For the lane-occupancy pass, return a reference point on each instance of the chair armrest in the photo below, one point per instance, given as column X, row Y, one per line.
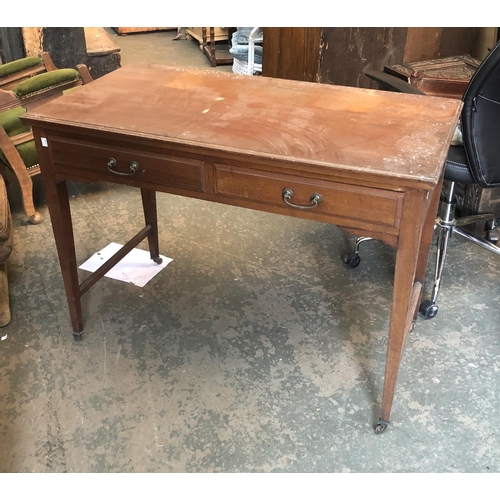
column 8, row 100
column 393, row 83
column 46, row 86
column 84, row 73
column 20, row 65
column 47, row 61
column 13, row 157
column 44, row 82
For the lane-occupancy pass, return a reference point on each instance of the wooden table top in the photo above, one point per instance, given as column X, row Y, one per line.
column 378, row 132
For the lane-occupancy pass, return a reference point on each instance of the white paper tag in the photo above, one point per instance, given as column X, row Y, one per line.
column 135, row 268
column 45, row 143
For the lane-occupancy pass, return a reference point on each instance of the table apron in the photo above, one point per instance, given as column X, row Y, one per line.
column 240, row 181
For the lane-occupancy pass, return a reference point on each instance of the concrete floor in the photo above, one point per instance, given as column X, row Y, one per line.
column 255, row 350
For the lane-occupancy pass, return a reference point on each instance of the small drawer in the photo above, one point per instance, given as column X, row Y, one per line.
column 127, row 165
column 344, row 201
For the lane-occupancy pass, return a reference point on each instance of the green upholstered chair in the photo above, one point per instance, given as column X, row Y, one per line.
column 17, row 147
column 13, row 72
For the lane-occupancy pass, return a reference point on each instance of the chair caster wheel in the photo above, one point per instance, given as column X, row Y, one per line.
column 381, row 426
column 428, row 309
column 492, row 234
column 77, row 336
column 159, row 260
column 36, row 218
column 352, row 260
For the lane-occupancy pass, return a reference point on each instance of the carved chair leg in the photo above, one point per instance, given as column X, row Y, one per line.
column 19, row 168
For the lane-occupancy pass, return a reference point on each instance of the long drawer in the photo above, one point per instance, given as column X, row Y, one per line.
column 127, row 164
column 345, row 201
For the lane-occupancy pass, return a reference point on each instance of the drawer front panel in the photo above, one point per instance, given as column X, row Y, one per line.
column 341, row 200
column 153, row 168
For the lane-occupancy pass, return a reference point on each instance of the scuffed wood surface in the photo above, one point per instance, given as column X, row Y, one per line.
column 343, row 127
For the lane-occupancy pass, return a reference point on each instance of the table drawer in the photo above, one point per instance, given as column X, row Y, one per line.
column 335, row 199
column 127, row 165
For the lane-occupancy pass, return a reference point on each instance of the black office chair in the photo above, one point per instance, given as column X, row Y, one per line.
column 477, row 161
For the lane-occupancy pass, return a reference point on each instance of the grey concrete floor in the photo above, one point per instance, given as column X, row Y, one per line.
column 255, row 350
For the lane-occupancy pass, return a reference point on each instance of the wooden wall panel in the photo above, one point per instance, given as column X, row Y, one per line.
column 423, row 44
column 347, row 52
column 458, row 41
column 291, row 53
column 340, row 55
column 486, row 39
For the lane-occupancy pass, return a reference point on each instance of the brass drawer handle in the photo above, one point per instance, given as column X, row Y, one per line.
column 316, row 199
column 134, row 167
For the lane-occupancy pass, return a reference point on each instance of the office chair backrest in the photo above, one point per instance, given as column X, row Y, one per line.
column 481, row 121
